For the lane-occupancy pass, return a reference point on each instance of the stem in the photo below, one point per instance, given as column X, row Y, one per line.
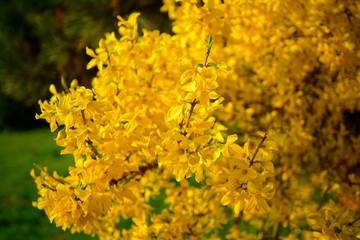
column 277, row 230
column 46, row 184
column 92, row 147
column 150, row 82
column 199, row 148
column 206, row 57
column 258, row 148
column 209, row 43
column 193, row 104
column 354, row 221
column 88, row 141
column 186, row 124
column 83, row 116
column 129, row 175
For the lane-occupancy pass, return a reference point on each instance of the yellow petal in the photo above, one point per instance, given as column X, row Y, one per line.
column 185, row 63
column 251, row 205
column 186, row 76
column 231, row 138
column 91, row 64
column 202, row 139
column 262, row 205
column 52, row 89
column 133, row 18
column 32, row 173
column 83, row 195
column 237, row 208
column 190, row 87
column 199, row 175
column 129, row 195
column 90, row 52
column 226, row 199
column 174, row 113
column 236, row 151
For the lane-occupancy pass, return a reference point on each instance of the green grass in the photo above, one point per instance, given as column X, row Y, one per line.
column 18, row 152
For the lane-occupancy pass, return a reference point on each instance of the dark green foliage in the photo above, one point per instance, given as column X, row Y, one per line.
column 42, row 41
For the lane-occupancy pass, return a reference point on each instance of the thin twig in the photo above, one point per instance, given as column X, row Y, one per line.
column 277, row 230
column 258, row 148
column 88, row 141
column 354, row 221
column 193, row 104
column 130, row 175
column 206, row 57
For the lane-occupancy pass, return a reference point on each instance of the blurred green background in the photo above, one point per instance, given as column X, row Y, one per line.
column 40, row 42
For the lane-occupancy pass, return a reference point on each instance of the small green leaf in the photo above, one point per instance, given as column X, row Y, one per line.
column 209, row 43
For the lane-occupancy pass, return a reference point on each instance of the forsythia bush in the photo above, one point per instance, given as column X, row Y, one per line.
column 251, row 134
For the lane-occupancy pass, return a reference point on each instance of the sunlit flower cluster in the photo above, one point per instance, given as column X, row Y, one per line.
column 250, row 106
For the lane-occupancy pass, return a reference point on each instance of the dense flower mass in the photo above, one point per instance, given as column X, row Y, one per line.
column 260, row 119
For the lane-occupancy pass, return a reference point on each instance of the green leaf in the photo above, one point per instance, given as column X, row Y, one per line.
column 209, row 43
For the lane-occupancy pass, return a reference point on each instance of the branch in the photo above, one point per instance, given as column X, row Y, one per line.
column 88, row 141
column 209, row 43
column 258, row 148
column 193, row 104
column 129, row 175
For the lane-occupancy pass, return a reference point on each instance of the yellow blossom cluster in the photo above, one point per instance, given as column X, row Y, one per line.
column 260, row 119
column 149, row 120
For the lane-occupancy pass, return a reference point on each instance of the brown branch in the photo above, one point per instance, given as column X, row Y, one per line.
column 199, row 147
column 129, row 175
column 354, row 221
column 206, row 57
column 186, row 124
column 252, row 161
column 193, row 104
column 45, row 184
column 88, row 141
column 92, row 147
column 276, row 230
column 83, row 116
